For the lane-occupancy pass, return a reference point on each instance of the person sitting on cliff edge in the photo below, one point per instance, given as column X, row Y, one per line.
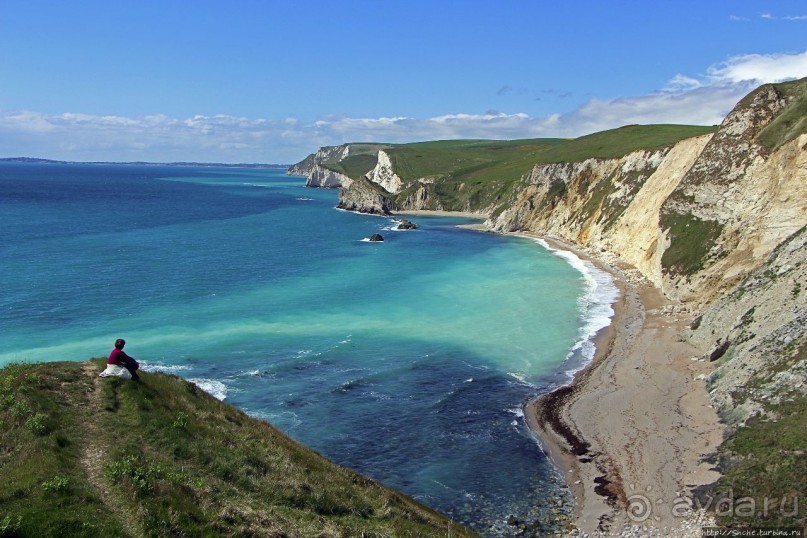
column 120, row 364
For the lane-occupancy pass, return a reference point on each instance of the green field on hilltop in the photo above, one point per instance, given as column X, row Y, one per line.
column 84, row 456
column 469, row 159
column 463, row 160
column 481, row 161
column 619, row 142
column 480, row 174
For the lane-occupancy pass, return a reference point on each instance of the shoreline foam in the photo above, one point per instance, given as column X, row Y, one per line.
column 596, row 305
column 634, row 424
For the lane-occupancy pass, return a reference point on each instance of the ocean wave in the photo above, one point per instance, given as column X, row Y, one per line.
column 595, row 305
column 522, row 379
column 163, row 368
column 519, row 416
column 215, row 388
column 251, row 373
column 288, row 419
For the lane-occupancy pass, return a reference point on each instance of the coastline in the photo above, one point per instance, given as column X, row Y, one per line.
column 441, row 213
column 630, row 432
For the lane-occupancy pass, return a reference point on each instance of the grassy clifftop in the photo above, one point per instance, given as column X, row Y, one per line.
column 84, row 456
column 481, row 174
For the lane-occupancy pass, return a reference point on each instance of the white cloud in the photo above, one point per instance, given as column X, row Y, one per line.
column 760, row 68
column 771, row 17
column 76, row 136
column 686, row 98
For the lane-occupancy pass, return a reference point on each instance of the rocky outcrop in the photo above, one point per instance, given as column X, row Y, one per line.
column 319, row 176
column 384, row 175
column 331, row 166
column 324, row 155
column 404, row 224
column 363, row 196
column 737, row 202
column 761, row 329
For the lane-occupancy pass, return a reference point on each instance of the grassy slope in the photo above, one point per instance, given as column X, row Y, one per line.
column 84, row 456
column 497, row 164
column 792, row 121
column 480, row 173
column 361, row 159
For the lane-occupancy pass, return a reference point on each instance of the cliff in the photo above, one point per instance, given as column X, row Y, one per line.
column 84, row 456
column 319, row 176
column 330, row 166
column 714, row 217
column 364, row 196
column 757, row 334
column 694, row 218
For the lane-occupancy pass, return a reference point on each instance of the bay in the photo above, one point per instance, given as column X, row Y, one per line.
column 407, row 360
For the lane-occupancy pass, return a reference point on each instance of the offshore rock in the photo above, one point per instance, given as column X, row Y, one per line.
column 404, row 224
column 376, row 238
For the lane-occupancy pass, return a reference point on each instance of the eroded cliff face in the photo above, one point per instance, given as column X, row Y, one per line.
column 737, row 202
column 606, row 204
column 332, row 166
column 694, row 219
column 363, row 196
column 384, row 175
column 757, row 334
column 319, row 176
column 325, row 154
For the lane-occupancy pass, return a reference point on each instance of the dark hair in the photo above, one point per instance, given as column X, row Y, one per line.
column 119, row 343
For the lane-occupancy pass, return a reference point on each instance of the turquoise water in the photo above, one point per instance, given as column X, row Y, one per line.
column 407, row 360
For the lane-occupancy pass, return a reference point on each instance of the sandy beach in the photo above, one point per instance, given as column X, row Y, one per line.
column 630, row 432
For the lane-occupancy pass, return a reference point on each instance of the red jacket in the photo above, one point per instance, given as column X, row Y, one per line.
column 119, row 358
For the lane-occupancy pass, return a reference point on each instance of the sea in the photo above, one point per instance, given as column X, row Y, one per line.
column 408, row 360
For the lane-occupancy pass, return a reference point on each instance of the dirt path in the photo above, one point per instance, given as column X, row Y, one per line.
column 93, row 457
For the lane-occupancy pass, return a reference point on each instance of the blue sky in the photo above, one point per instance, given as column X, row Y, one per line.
column 271, row 81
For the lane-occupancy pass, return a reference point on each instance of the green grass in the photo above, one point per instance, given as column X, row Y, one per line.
column 619, row 142
column 792, row 121
column 764, row 480
column 476, row 174
column 691, row 239
column 174, row 461
column 43, row 489
column 468, row 160
column 355, row 166
column 770, row 469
